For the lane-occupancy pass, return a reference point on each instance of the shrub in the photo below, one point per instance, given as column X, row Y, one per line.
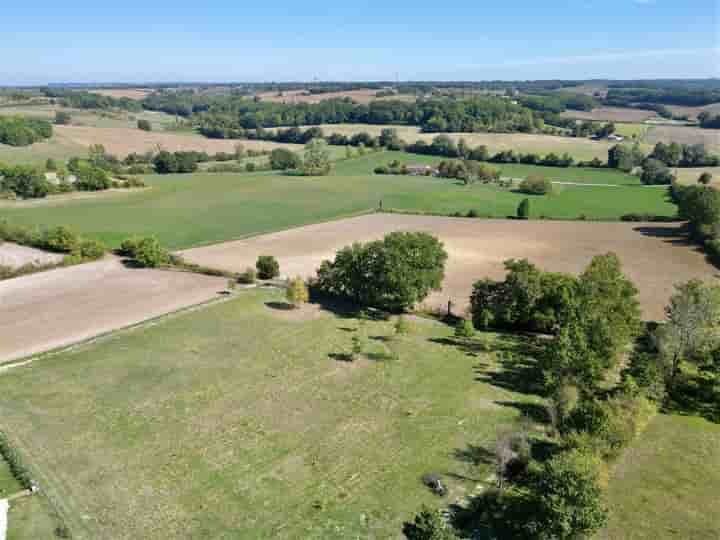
column 145, row 125
column 283, row 159
column 472, row 213
column 26, row 182
column 570, row 501
column 705, row 178
column 248, row 277
column 249, row 166
column 62, row 118
column 267, row 267
column 402, row 326
column 89, row 249
column 129, row 246
column 523, row 210
column 464, row 329
column 297, row 292
column 536, row 185
column 427, row 525
column 150, row 254
column 60, row 239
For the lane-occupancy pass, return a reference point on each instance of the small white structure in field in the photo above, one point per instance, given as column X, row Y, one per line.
column 4, row 505
column 53, row 178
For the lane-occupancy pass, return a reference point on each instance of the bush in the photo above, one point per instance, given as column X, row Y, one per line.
column 145, row 125
column 63, row 118
column 248, row 277
column 267, row 267
column 523, row 210
column 536, row 185
column 464, row 329
column 60, row 239
column 15, row 462
column 128, row 247
column 148, row 253
column 428, row 525
column 297, row 292
column 655, row 172
column 250, row 166
column 282, row 159
column 89, row 249
column 26, row 182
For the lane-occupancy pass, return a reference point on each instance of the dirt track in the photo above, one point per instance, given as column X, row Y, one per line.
column 15, row 256
column 653, row 257
column 52, row 309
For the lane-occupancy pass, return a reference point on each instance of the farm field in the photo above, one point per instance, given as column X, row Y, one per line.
column 301, row 96
column 633, row 131
column 580, row 149
column 204, row 424
column 190, row 210
column 131, row 93
column 60, row 307
column 611, row 114
column 691, row 175
column 651, row 256
column 686, row 135
column 665, row 485
column 693, row 112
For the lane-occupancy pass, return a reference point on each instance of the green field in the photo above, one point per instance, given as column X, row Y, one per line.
column 240, row 421
column 666, row 484
column 28, row 518
column 189, row 210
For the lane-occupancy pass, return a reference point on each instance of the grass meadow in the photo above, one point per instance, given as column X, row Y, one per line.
column 195, row 209
column 242, row 420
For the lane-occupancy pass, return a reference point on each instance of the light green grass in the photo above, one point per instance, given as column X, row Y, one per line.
column 28, row 518
column 189, row 210
column 237, row 421
column 667, row 484
column 630, row 130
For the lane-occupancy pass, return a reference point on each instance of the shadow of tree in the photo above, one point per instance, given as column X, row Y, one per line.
column 474, row 455
column 280, row 306
column 536, row 412
column 694, row 395
column 341, row 357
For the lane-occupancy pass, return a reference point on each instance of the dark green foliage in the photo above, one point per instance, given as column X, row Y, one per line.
column 393, row 274
column 267, row 267
column 177, row 162
column 655, row 172
column 624, row 157
column 427, row 525
column 17, row 466
column 145, row 125
column 26, row 182
column 523, row 211
column 81, row 99
column 91, row 178
column 61, row 239
column 63, row 118
column 464, row 329
column 283, row 159
column 89, row 249
column 316, row 160
column 20, row 131
column 705, row 178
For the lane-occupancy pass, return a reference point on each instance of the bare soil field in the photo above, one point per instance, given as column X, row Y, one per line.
column 44, row 311
column 301, row 96
column 123, row 141
column 15, row 256
column 583, row 149
column 654, row 257
column 685, row 135
column 611, row 114
column 690, row 175
column 131, row 93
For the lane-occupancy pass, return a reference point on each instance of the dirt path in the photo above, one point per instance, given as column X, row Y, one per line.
column 15, row 256
column 654, row 257
column 61, row 307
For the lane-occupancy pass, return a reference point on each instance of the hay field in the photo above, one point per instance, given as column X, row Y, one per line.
column 652, row 255
column 685, row 135
column 693, row 112
column 611, row 114
column 131, row 93
column 300, row 96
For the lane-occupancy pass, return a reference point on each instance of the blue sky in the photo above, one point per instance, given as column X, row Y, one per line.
column 224, row 40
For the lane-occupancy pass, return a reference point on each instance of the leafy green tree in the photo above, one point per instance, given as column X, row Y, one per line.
column 60, row 239
column 394, row 273
column 571, row 501
column 655, row 172
column 50, row 165
column 428, row 525
column 693, row 317
column 464, row 329
column 283, row 159
column 705, row 178
column 536, row 185
column 523, row 210
column 624, row 157
column 25, row 181
column 149, row 253
column 267, row 267
column 317, row 158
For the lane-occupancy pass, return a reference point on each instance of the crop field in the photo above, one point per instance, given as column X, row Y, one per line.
column 686, row 135
column 693, row 112
column 301, row 96
column 579, row 148
column 190, row 210
column 60, row 307
column 691, row 175
column 204, row 424
column 611, row 114
column 633, row 131
column 651, row 255
column 131, row 93
column 665, row 485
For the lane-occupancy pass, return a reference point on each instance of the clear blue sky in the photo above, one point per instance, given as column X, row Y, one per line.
column 233, row 40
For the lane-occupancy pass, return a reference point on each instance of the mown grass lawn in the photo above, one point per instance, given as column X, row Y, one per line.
column 189, row 210
column 667, row 483
column 241, row 421
column 28, row 518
